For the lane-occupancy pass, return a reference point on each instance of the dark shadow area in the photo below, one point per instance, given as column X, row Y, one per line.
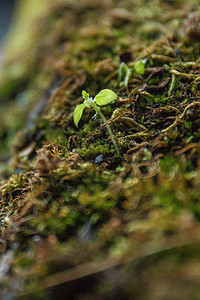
column 6, row 11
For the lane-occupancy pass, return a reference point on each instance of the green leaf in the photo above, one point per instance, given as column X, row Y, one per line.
column 85, row 94
column 78, row 113
column 140, row 66
column 124, row 74
column 105, row 96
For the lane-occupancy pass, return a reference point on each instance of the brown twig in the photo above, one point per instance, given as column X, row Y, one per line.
column 179, row 118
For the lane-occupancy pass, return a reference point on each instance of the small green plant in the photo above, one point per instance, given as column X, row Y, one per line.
column 125, row 72
column 102, row 98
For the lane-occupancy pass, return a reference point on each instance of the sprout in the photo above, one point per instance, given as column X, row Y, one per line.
column 104, row 97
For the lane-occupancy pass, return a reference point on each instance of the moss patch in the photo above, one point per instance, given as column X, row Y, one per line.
column 78, row 220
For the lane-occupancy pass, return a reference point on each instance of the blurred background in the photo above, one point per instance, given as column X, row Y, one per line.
column 6, row 12
column 18, row 53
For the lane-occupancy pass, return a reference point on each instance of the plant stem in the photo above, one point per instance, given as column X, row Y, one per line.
column 98, row 111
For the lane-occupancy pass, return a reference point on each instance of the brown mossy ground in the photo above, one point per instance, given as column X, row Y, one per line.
column 77, row 221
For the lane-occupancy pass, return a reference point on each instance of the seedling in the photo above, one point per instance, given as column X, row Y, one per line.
column 125, row 72
column 102, row 98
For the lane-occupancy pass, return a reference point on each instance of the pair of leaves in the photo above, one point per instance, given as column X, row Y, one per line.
column 125, row 71
column 102, row 98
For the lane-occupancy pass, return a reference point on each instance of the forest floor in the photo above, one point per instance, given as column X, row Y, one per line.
column 79, row 221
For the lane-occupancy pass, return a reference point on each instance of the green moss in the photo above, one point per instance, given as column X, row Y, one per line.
column 93, row 150
column 137, row 215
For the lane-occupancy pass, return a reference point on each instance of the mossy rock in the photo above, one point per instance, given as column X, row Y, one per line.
column 78, row 220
